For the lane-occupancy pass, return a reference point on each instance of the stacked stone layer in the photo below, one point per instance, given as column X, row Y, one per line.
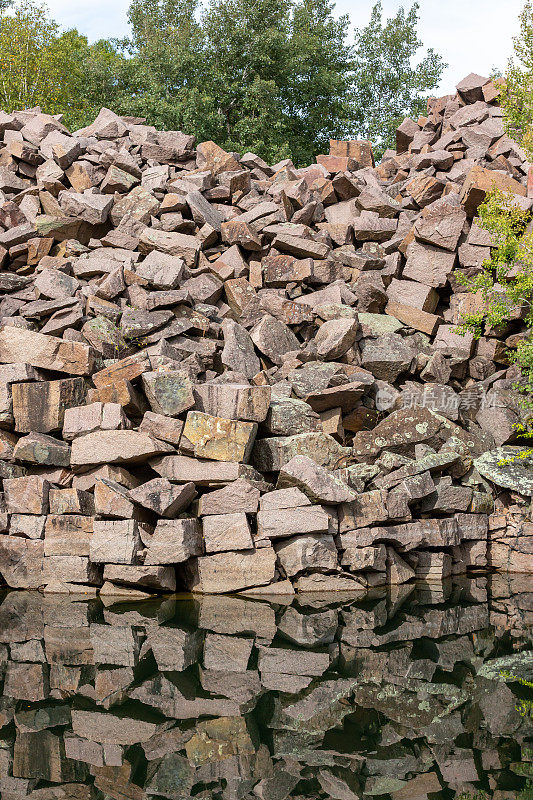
column 219, row 375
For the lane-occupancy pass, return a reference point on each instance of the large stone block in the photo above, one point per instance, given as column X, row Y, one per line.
column 67, row 535
column 173, row 541
column 48, row 352
column 40, row 405
column 115, row 447
column 115, row 541
column 231, row 572
column 221, row 439
column 233, row 401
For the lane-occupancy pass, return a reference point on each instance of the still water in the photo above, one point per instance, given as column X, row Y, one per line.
column 415, row 693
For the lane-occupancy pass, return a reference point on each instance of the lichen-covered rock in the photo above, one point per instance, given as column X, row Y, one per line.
column 506, row 467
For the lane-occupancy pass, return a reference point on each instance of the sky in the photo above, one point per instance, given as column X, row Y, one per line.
column 471, row 35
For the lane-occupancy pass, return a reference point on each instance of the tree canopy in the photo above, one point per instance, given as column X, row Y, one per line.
column 278, row 77
column 387, row 85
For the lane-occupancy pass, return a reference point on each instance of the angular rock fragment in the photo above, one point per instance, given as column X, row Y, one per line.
column 173, row 542
column 314, row 481
column 223, row 532
column 231, row 572
column 115, row 447
column 221, row 439
column 163, row 497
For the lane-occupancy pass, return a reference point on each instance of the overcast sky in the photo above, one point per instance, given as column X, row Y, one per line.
column 471, row 35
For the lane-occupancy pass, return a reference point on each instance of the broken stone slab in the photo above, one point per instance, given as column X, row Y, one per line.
column 115, row 447
column 68, row 535
column 402, row 429
column 26, row 495
column 169, row 393
column 355, row 559
column 335, row 338
column 387, row 357
column 516, row 475
column 274, row 339
column 70, row 570
column 233, row 401
column 239, row 353
column 112, row 500
column 344, row 397
column 48, row 352
column 217, row 438
column 270, row 454
column 414, row 318
column 368, row 508
column 283, row 498
column 230, row 572
column 292, row 662
column 224, row 532
column 115, row 542
column 428, row 265
column 422, row 533
column 148, row 578
column 314, row 481
column 158, row 426
column 398, row 570
column 288, row 416
column 480, row 181
column 173, row 541
column 163, row 497
column 173, row 244
column 97, row 726
column 41, row 406
column 94, row 416
column 22, row 562
column 37, row 448
column 161, row 271
column 239, row 496
column 316, row 553
column 280, row 523
column 183, row 469
column 29, row 526
column 174, row 649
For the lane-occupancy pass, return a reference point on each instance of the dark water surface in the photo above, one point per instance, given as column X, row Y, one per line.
column 410, row 694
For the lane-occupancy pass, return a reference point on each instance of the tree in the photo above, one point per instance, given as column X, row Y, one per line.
column 271, row 76
column 40, row 65
column 387, row 86
column 316, row 99
column 517, row 93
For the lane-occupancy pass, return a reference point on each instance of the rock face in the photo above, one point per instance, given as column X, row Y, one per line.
column 223, row 376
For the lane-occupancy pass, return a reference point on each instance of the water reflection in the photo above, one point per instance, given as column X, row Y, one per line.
column 396, row 695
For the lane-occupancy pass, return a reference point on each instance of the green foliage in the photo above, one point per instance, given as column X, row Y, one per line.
column 271, row 76
column 524, row 706
column 41, row 65
column 278, row 77
column 505, row 282
column 504, row 288
column 387, row 85
column 517, row 94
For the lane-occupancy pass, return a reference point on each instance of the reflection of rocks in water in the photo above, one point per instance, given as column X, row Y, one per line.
column 393, row 696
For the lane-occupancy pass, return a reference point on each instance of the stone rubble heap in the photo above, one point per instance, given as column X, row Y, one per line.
column 218, row 375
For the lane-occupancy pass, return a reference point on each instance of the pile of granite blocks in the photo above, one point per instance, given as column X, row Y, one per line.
column 219, row 375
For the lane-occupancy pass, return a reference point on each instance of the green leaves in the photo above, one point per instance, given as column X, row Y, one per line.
column 505, row 284
column 388, row 86
column 277, row 77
